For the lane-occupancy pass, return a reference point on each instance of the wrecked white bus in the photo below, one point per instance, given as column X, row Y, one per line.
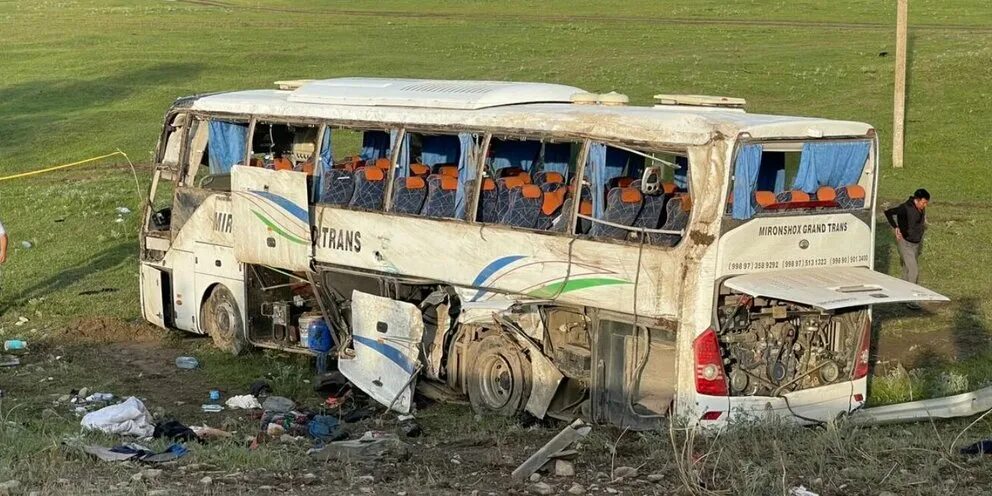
column 530, row 246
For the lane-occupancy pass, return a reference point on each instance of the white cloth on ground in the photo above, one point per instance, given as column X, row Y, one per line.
column 129, row 418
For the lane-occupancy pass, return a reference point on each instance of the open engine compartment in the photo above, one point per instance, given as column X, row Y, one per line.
column 771, row 346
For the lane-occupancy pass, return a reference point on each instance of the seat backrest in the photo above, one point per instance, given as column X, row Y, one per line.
column 678, row 209
column 826, row 193
column 503, row 187
column 337, row 186
column 282, row 163
column 669, row 188
column 652, row 211
column 551, row 207
column 409, row 194
column 381, row 163
column 622, row 207
column 441, row 192
column 851, row 196
column 547, row 178
column 370, row 187
column 524, row 206
column 511, row 171
column 488, row 201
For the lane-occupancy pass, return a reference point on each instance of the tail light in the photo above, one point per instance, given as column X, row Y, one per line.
column 861, row 359
column 710, row 379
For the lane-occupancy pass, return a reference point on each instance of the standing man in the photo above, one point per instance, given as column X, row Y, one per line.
column 909, row 221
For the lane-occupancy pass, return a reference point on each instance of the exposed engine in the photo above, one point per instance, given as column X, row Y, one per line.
column 773, row 347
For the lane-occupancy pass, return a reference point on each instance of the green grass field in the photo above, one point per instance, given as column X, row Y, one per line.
column 84, row 78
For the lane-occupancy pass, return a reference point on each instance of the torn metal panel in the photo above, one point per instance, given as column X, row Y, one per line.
column 386, row 338
column 273, row 217
column 832, row 288
column 960, row 405
column 575, row 431
column 545, row 378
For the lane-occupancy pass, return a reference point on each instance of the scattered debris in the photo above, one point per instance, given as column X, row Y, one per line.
column 26, row 244
column 9, row 361
column 278, row 404
column 187, row 362
column 801, row 491
column 206, row 481
column 371, row 446
column 325, row 428
column 123, row 210
column 175, row 431
column 128, row 418
column 535, row 477
column 207, row 432
column 260, row 389
column 211, row 408
column 411, row 428
column 657, row 477
column 15, row 344
column 983, row 447
column 95, row 397
column 244, row 402
column 564, row 468
column 573, row 432
column 137, row 452
column 624, row 473
column 97, row 291
column 576, row 489
column 542, row 488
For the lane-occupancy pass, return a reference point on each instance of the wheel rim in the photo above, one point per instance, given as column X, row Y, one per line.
column 224, row 319
column 497, row 381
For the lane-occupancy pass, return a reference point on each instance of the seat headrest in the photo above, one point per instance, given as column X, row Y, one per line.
column 414, row 182
column 855, row 191
column 373, row 174
column 488, row 184
column 530, row 191
column 630, row 195
column 764, row 198
column 686, row 203
column 513, row 182
column 419, row 169
column 553, row 177
column 826, row 193
column 799, row 196
column 382, row 163
column 449, row 183
column 448, row 170
column 668, row 188
column 622, row 182
column 282, row 163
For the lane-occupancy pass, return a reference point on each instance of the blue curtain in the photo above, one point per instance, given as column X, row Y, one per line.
column 623, row 163
column 596, row 175
column 515, row 153
column 681, row 174
column 830, row 164
column 466, row 170
column 375, row 145
column 226, row 144
column 443, row 149
column 557, row 157
column 325, row 161
column 771, row 173
column 403, row 161
column 745, row 180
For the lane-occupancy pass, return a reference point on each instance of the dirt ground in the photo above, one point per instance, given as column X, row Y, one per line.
column 457, row 453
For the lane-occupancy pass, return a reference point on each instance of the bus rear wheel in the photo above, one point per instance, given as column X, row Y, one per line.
column 222, row 321
column 500, row 381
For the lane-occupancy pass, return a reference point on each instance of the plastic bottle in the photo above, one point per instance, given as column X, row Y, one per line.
column 187, row 362
column 214, row 395
column 14, row 344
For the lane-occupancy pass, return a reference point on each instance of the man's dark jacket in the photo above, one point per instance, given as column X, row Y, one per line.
column 910, row 221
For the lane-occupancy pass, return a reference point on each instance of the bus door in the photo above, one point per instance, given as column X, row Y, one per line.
column 271, row 218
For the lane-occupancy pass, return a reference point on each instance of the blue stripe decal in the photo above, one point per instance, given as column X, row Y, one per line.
column 390, row 352
column 491, row 269
column 286, row 205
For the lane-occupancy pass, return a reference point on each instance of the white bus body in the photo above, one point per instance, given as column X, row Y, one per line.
column 625, row 313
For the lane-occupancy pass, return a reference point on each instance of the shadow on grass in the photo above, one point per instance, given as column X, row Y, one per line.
column 31, row 99
column 109, row 259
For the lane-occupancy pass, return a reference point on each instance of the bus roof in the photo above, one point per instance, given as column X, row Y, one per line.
column 505, row 107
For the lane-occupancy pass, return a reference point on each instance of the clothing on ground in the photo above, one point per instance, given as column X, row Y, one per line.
column 910, row 221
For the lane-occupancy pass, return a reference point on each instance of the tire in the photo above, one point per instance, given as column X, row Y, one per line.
column 221, row 320
column 500, row 382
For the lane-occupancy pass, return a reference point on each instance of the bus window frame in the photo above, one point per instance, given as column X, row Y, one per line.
column 647, row 150
column 793, row 144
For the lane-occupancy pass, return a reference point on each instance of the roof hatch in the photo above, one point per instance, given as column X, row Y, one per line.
column 426, row 93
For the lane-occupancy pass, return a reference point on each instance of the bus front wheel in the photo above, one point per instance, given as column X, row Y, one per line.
column 500, row 381
column 222, row 321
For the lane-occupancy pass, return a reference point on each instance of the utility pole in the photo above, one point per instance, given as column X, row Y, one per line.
column 899, row 103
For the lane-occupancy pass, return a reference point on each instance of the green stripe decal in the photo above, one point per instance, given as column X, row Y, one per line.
column 278, row 230
column 563, row 287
